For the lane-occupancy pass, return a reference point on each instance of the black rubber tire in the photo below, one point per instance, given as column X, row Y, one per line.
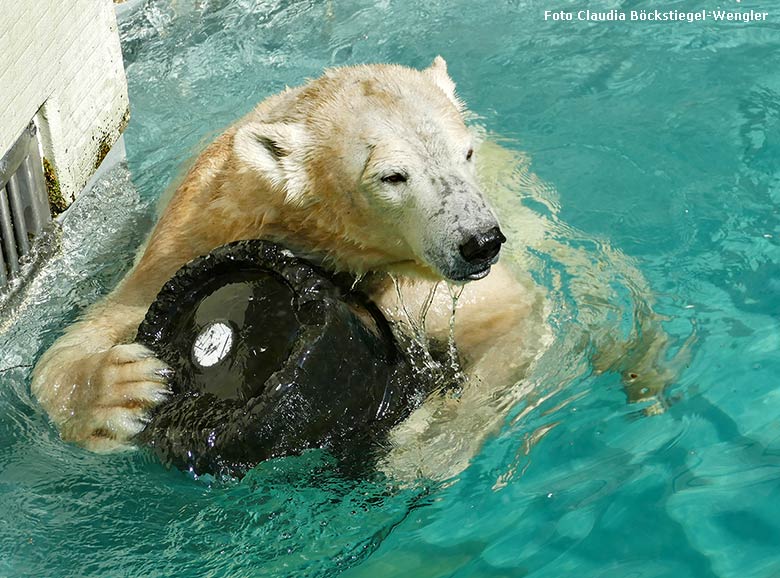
column 335, row 378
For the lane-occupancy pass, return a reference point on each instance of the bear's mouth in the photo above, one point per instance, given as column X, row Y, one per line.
column 479, row 274
column 476, row 275
column 430, row 270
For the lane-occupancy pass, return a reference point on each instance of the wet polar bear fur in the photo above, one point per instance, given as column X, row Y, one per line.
column 369, row 170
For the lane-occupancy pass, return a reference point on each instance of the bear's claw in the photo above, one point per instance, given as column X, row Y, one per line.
column 126, row 381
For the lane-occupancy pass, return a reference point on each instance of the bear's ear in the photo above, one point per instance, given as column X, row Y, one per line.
column 437, row 72
column 277, row 152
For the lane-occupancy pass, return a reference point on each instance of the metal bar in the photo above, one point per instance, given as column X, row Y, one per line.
column 24, row 203
column 7, row 234
column 17, row 209
column 14, row 157
column 37, row 195
column 3, row 275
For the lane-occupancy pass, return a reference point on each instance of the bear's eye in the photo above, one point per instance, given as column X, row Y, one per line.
column 394, row 178
column 469, row 154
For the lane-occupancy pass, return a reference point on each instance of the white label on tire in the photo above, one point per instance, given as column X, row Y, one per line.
column 213, row 344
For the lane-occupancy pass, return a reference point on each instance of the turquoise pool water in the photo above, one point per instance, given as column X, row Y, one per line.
column 661, row 139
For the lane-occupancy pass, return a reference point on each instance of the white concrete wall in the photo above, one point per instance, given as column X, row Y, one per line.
column 61, row 60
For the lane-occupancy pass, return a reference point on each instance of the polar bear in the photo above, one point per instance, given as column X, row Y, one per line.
column 369, row 170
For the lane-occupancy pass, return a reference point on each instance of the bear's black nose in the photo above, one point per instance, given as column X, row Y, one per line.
column 482, row 246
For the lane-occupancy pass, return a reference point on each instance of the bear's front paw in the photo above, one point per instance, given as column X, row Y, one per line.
column 125, row 382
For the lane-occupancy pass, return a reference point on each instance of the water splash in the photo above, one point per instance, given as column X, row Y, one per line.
column 455, row 368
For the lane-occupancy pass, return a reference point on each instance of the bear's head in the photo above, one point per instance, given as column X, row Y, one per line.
column 372, row 168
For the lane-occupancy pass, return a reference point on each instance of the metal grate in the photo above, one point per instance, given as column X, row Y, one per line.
column 24, row 205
